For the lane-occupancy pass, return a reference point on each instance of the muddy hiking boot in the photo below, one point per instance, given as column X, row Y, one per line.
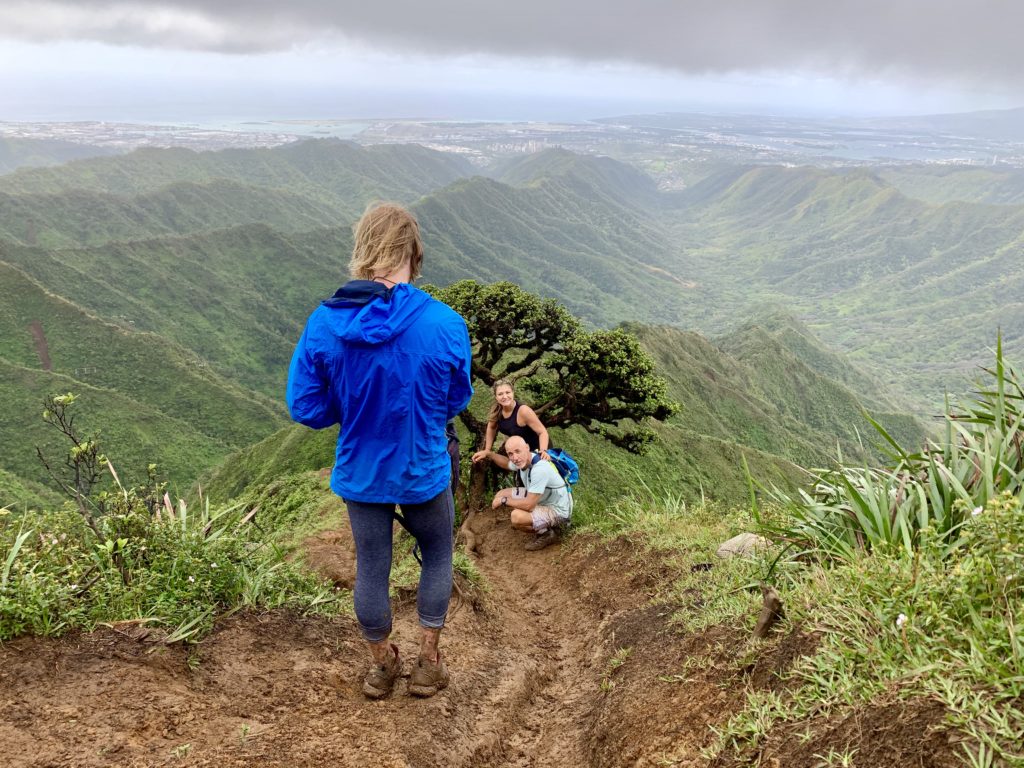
column 380, row 678
column 542, row 540
column 428, row 677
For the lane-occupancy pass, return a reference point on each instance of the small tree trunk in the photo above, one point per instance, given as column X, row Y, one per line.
column 477, row 498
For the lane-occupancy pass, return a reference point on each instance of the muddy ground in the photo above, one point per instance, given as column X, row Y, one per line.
column 533, row 683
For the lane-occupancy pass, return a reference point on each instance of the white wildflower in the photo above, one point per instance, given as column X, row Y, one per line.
column 977, row 511
column 191, row 579
column 901, row 620
column 213, row 565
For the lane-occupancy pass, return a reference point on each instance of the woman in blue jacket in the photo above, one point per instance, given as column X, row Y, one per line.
column 391, row 366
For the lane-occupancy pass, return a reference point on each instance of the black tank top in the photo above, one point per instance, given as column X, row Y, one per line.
column 510, row 426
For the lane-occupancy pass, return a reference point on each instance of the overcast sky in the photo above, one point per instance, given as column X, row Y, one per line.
column 256, row 59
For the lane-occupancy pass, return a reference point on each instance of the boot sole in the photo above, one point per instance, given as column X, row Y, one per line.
column 375, row 693
column 426, row 691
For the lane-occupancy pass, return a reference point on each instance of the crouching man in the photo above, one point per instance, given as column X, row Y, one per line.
column 543, row 506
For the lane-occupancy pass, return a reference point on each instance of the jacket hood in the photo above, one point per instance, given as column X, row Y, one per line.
column 370, row 312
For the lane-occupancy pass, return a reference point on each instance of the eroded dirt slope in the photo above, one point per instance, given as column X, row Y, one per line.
column 532, row 682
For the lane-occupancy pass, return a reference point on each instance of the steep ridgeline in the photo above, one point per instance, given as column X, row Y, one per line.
column 575, row 228
column 88, row 218
column 759, row 388
column 734, row 407
column 154, row 192
column 998, row 185
column 236, row 298
column 901, row 284
column 169, row 287
column 135, row 435
column 330, row 170
column 155, row 400
column 215, row 259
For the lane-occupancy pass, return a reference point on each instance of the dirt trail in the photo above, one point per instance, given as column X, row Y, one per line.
column 284, row 690
column 531, row 680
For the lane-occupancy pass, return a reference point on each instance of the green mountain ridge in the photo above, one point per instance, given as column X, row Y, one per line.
column 44, row 333
column 604, row 262
column 134, row 435
column 996, row 185
column 328, row 170
column 221, row 294
column 898, row 283
column 195, row 258
column 600, row 176
column 74, row 218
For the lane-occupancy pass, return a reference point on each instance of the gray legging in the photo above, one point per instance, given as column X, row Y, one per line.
column 432, row 524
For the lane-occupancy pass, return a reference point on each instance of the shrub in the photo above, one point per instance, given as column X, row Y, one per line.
column 170, row 569
column 853, row 510
column 129, row 554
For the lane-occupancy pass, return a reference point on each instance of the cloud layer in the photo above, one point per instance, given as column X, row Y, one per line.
column 943, row 39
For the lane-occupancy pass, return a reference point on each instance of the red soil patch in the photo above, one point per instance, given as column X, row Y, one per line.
column 42, row 348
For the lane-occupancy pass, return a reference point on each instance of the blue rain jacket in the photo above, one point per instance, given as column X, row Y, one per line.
column 391, row 366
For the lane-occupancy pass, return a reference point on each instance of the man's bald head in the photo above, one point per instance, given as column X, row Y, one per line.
column 515, row 442
column 518, row 451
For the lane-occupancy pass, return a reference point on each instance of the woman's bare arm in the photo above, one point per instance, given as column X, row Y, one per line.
column 531, row 420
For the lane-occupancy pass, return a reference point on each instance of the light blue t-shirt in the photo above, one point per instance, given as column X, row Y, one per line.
column 544, row 479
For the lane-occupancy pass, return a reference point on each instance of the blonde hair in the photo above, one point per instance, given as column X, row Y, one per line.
column 495, row 412
column 387, row 238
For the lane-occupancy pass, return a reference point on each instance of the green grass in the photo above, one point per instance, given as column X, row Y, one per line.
column 921, row 625
column 173, row 568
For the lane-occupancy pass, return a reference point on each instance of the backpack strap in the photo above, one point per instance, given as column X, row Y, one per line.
column 534, row 458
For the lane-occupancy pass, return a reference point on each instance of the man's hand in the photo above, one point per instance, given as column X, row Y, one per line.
column 480, row 456
column 501, row 497
column 544, row 455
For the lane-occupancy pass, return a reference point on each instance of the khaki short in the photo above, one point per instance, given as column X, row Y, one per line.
column 544, row 518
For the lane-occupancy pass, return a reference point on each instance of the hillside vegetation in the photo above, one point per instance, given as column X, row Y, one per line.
column 904, row 286
column 220, row 294
column 733, row 410
column 331, row 171
column 180, row 280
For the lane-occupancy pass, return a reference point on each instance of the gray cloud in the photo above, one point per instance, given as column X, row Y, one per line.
column 948, row 39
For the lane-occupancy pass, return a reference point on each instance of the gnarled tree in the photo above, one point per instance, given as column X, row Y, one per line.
column 602, row 381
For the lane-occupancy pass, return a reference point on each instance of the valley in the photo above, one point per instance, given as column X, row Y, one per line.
column 795, row 294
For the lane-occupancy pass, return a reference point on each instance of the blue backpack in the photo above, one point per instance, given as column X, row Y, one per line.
column 565, row 464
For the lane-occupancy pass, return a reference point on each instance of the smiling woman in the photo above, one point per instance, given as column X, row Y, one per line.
column 513, row 419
